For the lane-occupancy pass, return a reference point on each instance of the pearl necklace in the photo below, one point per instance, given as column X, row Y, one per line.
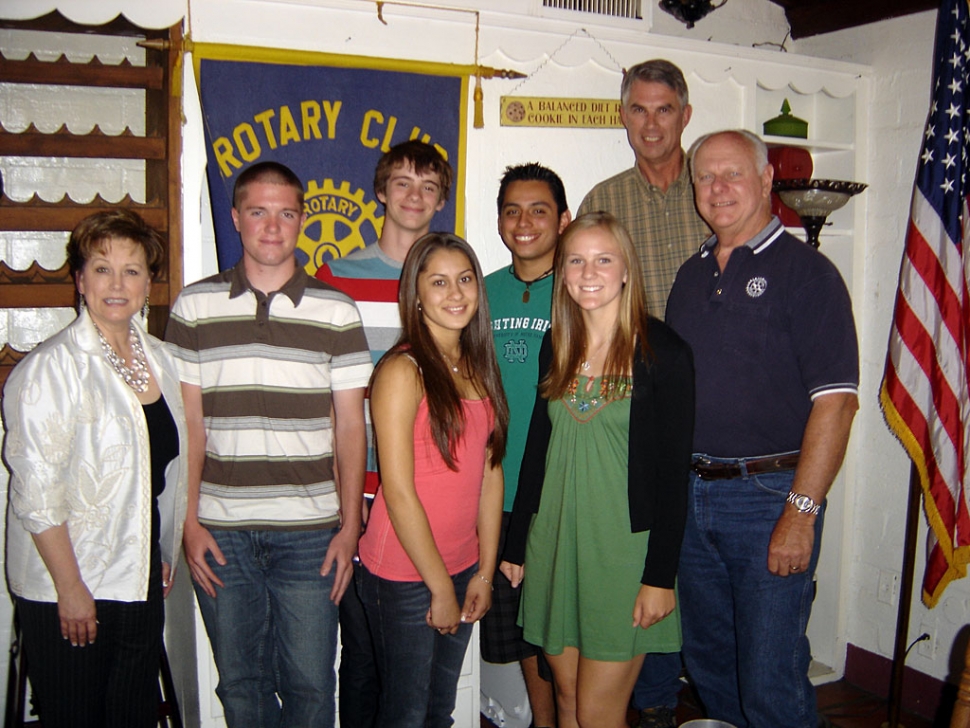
column 137, row 375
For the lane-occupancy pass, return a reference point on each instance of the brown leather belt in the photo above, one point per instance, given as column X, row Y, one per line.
column 712, row 470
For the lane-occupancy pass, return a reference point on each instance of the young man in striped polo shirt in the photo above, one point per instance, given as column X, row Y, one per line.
column 274, row 365
column 412, row 181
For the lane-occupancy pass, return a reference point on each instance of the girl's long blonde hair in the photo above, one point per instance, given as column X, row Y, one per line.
column 568, row 328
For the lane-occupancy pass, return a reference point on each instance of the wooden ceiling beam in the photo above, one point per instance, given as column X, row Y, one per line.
column 813, row 17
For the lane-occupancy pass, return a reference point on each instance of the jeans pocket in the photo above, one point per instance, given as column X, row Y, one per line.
column 774, row 484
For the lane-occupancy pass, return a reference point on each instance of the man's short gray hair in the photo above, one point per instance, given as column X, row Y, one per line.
column 656, row 71
column 759, row 150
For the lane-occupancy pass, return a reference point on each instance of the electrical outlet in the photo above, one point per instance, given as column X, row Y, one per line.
column 888, row 589
column 927, row 648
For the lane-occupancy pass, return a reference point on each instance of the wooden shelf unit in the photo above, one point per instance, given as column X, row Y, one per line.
column 160, row 148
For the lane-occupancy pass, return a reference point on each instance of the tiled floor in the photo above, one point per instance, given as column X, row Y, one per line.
column 844, row 705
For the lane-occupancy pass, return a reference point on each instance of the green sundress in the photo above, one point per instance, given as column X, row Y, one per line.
column 582, row 565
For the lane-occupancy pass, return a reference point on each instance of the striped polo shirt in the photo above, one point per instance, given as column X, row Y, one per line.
column 267, row 366
column 371, row 278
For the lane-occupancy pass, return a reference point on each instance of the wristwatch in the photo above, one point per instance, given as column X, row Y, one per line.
column 804, row 504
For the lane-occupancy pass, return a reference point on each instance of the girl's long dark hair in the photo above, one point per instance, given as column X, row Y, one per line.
column 477, row 362
column 568, row 329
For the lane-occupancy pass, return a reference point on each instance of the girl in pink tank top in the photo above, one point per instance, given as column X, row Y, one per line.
column 440, row 419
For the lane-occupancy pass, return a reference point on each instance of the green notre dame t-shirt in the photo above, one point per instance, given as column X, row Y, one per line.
column 518, row 327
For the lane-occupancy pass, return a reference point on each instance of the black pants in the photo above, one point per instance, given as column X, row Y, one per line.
column 109, row 684
column 360, row 683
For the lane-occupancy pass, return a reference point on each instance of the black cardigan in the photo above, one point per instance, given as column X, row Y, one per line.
column 661, row 433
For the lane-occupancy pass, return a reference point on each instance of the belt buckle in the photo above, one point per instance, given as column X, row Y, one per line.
column 701, row 465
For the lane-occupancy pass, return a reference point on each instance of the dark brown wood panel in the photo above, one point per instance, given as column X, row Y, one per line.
column 32, row 143
column 64, row 73
column 50, row 217
column 8, row 360
column 33, row 274
column 814, row 17
column 170, row 59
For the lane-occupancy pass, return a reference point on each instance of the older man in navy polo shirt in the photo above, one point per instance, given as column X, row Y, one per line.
column 770, row 322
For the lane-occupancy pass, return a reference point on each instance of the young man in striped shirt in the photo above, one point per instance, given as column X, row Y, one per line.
column 274, row 365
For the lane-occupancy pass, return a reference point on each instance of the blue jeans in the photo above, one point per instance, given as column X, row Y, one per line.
column 273, row 629
column 745, row 645
column 658, row 683
column 419, row 667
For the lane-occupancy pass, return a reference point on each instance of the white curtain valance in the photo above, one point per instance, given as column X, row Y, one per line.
column 144, row 13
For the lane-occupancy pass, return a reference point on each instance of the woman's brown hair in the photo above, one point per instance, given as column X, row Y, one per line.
column 477, row 361
column 94, row 231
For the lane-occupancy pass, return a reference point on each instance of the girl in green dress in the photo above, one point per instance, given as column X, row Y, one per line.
column 599, row 513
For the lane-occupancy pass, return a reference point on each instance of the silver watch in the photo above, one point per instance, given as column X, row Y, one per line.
column 804, row 504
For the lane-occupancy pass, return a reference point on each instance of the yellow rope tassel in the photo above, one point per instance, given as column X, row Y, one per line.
column 479, row 97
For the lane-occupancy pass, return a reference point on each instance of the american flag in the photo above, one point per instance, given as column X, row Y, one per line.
column 925, row 387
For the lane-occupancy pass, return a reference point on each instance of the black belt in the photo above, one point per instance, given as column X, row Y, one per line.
column 712, row 470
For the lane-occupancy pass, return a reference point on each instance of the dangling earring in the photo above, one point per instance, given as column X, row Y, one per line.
column 81, row 303
column 419, row 306
column 144, row 310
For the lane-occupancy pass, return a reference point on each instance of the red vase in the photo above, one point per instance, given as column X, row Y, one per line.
column 789, row 163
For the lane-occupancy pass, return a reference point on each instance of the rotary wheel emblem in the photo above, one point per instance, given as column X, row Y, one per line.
column 756, row 287
column 338, row 222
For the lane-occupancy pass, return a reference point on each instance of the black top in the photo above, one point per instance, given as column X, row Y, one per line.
column 661, row 429
column 164, row 443
column 769, row 334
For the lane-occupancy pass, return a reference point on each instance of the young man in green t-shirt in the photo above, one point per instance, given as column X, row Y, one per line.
column 532, row 213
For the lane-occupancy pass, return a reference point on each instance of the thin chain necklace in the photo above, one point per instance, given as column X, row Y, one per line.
column 453, row 367
column 586, row 362
column 525, row 294
column 137, row 375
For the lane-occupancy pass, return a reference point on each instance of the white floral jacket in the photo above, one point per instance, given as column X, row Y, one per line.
column 78, row 452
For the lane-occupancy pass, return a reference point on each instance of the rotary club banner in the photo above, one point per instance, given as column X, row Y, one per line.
column 328, row 118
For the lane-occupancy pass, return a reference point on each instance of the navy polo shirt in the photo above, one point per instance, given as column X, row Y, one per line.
column 769, row 334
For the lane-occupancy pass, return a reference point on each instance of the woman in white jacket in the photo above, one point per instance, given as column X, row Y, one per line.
column 96, row 447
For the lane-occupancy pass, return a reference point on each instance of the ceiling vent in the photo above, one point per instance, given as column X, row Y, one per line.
column 609, row 8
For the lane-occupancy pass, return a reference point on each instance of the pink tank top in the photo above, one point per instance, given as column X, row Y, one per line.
column 450, row 499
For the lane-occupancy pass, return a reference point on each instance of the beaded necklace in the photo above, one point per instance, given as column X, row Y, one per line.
column 137, row 375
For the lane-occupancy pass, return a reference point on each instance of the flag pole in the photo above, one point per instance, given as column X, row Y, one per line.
column 905, row 599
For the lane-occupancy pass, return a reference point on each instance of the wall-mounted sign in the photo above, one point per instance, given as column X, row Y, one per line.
column 560, row 112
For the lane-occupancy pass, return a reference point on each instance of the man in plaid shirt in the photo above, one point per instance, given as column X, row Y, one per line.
column 654, row 200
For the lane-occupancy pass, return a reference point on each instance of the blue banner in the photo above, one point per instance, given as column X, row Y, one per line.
column 330, row 125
